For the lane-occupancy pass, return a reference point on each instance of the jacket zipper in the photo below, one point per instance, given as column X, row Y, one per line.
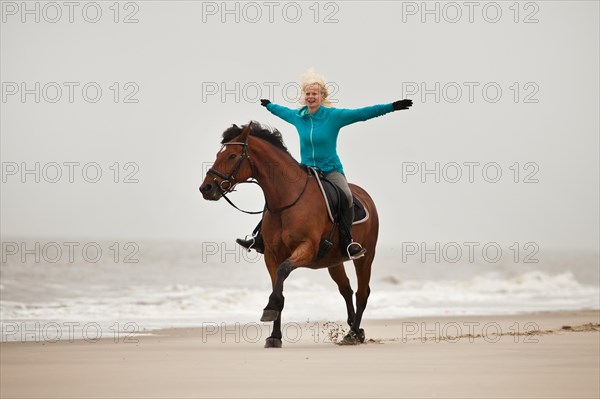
column 311, row 141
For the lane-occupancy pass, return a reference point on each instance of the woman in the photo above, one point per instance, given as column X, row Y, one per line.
column 318, row 125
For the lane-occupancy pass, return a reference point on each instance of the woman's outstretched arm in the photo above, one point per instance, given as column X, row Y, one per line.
column 284, row 113
column 349, row 116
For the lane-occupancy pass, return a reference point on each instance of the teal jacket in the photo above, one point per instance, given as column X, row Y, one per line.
column 319, row 131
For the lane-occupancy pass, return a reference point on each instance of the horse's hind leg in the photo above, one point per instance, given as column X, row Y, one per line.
column 338, row 274
column 363, row 277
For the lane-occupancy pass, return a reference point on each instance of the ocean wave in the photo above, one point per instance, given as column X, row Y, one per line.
column 390, row 297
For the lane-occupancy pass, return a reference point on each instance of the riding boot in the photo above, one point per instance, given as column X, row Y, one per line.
column 255, row 242
column 348, row 247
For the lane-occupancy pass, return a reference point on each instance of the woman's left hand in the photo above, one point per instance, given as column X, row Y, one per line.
column 402, row 104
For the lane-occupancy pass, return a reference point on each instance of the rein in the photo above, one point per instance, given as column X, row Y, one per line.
column 283, row 208
column 239, row 209
column 232, row 177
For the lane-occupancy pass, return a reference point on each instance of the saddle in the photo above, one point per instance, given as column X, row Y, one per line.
column 333, row 195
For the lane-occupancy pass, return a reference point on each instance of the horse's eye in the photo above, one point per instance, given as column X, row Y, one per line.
column 232, row 156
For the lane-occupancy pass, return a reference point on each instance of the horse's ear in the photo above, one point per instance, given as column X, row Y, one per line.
column 246, row 132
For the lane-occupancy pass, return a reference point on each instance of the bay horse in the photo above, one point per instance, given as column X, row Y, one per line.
column 295, row 219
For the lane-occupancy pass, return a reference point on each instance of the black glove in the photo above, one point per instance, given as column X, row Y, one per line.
column 264, row 102
column 401, row 104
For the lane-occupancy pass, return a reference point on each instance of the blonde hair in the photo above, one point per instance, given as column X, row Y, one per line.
column 310, row 78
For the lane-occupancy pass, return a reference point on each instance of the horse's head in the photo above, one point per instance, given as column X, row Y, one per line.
column 232, row 165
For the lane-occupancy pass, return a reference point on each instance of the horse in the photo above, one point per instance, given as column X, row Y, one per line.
column 295, row 220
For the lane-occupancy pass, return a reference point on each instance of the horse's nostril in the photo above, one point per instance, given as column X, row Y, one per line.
column 206, row 188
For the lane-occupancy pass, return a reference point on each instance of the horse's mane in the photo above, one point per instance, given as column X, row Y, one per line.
column 270, row 135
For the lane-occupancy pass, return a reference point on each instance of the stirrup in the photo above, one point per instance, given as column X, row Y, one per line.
column 246, row 243
column 359, row 254
column 253, row 241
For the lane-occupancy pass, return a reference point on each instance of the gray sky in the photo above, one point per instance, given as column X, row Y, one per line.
column 521, row 98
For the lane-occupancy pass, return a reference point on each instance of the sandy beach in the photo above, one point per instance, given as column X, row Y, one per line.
column 551, row 354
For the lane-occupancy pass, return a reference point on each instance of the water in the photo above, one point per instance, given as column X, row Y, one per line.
column 190, row 285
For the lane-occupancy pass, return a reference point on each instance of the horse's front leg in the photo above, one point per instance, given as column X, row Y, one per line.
column 272, row 311
column 276, row 300
column 274, row 340
column 301, row 256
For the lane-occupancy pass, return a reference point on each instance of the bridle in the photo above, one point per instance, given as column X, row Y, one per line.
column 231, row 180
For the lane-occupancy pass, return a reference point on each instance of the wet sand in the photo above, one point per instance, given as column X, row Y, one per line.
column 551, row 354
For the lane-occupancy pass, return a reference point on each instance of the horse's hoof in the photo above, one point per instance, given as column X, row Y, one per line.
column 270, row 315
column 273, row 342
column 354, row 338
